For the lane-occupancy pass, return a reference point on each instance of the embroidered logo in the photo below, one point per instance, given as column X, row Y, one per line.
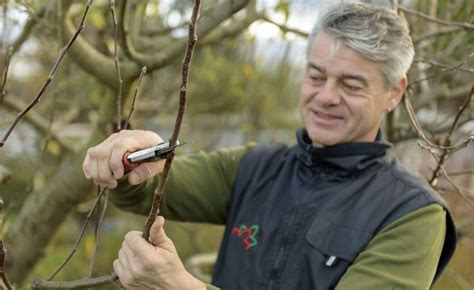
column 248, row 234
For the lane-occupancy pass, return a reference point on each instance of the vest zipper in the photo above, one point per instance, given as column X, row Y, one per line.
column 282, row 248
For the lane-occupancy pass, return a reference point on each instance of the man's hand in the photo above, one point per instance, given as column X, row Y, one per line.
column 154, row 264
column 103, row 163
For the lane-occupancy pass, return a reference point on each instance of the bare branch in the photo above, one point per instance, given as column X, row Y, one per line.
column 432, row 34
column 443, row 70
column 38, row 122
column 421, row 134
column 436, row 20
column 127, row 122
column 27, row 29
column 77, row 284
column 444, row 65
column 447, row 141
column 192, row 39
column 3, row 252
column 445, row 174
column 90, row 59
column 285, row 28
column 117, row 68
column 233, row 28
column 219, row 13
column 457, row 173
column 101, row 215
column 79, row 238
column 51, row 74
column 3, row 92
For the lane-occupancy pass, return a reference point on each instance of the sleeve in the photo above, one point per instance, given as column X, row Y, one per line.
column 198, row 188
column 211, row 287
column 404, row 255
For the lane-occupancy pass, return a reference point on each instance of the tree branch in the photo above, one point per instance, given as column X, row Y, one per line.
column 50, row 76
column 220, row 13
column 27, row 29
column 3, row 92
column 3, row 252
column 285, row 28
column 192, row 38
column 233, row 28
column 447, row 141
column 79, row 238
column 76, row 284
column 90, row 59
column 463, row 25
column 38, row 122
column 421, row 135
column 444, row 65
column 117, row 68
column 132, row 108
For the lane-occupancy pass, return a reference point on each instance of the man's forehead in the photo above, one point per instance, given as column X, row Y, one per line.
column 331, row 55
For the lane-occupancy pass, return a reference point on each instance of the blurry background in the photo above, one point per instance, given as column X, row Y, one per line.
column 243, row 87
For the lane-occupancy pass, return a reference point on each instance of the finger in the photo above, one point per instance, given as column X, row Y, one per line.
column 158, row 236
column 124, row 258
column 116, row 165
column 104, row 173
column 85, row 167
column 137, row 244
column 145, row 171
column 121, row 272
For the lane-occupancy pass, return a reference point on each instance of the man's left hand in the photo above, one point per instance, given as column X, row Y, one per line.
column 154, row 264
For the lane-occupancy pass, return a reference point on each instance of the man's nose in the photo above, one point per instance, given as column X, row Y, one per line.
column 328, row 95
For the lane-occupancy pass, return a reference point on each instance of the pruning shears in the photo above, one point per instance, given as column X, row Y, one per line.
column 150, row 154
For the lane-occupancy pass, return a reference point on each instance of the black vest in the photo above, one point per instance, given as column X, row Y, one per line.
column 300, row 216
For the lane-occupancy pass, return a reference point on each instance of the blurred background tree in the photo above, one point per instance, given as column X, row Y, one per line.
column 243, row 87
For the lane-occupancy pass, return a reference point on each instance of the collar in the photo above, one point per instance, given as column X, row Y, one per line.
column 348, row 157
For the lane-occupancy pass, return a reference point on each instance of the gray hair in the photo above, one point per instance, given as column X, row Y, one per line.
column 377, row 33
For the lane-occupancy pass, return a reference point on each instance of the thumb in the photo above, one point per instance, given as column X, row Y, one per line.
column 145, row 171
column 158, row 236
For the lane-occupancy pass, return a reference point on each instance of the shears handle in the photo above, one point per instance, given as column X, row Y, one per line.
column 127, row 165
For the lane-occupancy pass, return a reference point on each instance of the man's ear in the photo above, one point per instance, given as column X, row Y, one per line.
column 396, row 94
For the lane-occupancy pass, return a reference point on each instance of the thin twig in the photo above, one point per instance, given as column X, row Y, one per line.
column 433, row 34
column 79, row 238
column 3, row 252
column 283, row 27
column 444, row 65
column 101, row 215
column 3, row 92
column 132, row 108
column 447, row 141
column 117, row 68
column 51, row 74
column 76, row 284
column 192, row 38
column 437, row 20
column 421, row 134
column 443, row 70
column 457, row 173
column 445, row 174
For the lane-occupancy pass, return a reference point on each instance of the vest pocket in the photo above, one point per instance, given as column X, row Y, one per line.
column 336, row 241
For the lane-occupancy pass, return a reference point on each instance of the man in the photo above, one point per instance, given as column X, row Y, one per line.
column 333, row 211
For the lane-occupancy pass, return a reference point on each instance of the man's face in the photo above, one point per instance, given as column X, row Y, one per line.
column 342, row 97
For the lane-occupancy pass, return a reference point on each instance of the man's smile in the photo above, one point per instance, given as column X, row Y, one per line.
column 325, row 118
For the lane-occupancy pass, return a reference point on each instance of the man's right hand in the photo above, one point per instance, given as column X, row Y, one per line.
column 103, row 162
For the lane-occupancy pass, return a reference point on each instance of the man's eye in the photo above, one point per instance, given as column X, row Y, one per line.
column 316, row 78
column 351, row 88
